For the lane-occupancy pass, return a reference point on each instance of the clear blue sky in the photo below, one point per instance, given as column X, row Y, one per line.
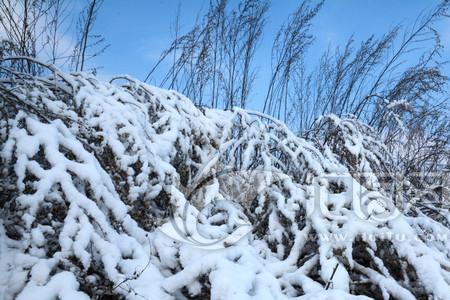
column 138, row 30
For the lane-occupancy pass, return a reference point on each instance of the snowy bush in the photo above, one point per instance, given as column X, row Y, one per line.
column 122, row 190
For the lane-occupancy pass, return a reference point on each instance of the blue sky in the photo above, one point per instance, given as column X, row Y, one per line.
column 138, row 30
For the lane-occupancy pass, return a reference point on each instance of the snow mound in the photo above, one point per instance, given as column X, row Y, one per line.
column 122, row 190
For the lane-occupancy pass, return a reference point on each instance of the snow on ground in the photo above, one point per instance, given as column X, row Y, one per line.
column 133, row 191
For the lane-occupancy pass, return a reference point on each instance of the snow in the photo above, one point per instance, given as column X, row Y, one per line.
column 62, row 285
column 135, row 191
